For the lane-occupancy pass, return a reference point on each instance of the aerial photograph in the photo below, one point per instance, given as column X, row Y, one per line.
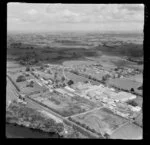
column 74, row 71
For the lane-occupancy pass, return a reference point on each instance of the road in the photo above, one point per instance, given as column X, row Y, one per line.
column 85, row 112
column 11, row 92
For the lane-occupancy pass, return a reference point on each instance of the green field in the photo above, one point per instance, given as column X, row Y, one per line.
column 125, row 84
column 101, row 120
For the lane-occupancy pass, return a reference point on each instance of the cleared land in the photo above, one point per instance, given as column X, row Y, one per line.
column 101, row 120
column 63, row 104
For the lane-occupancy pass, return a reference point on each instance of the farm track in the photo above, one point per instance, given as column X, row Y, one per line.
column 86, row 112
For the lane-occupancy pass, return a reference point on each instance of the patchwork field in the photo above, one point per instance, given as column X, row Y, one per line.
column 64, row 105
column 101, row 120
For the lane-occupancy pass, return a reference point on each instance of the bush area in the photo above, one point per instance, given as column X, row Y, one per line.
column 132, row 103
column 21, row 78
column 20, row 113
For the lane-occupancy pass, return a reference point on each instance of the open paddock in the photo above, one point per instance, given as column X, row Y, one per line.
column 125, row 84
column 64, row 105
column 101, row 120
column 23, row 85
column 137, row 78
column 77, row 78
column 128, row 131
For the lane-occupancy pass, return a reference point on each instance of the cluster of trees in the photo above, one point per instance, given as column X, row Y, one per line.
column 61, row 82
column 27, row 68
column 21, row 78
column 54, row 100
column 30, row 84
column 105, row 77
column 132, row 102
column 83, row 132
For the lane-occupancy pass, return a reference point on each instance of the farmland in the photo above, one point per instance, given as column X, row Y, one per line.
column 126, row 84
column 102, row 120
column 75, row 79
column 23, row 84
column 64, row 105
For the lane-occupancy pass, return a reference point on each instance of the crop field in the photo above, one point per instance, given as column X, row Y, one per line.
column 125, row 84
column 101, row 120
column 65, row 105
column 12, row 64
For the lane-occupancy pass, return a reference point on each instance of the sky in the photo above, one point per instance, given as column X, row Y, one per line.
column 74, row 17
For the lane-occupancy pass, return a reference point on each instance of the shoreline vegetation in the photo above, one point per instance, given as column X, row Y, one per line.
column 19, row 114
column 33, row 131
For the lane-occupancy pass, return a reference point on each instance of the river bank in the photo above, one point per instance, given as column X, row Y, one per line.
column 16, row 131
column 20, row 114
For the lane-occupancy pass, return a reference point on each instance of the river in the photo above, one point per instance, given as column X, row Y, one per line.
column 16, row 131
